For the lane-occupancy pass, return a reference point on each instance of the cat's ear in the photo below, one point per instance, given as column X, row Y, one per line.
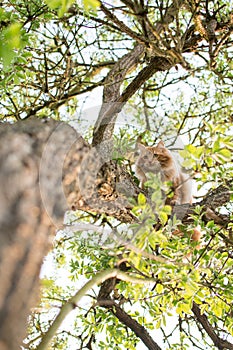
column 161, row 144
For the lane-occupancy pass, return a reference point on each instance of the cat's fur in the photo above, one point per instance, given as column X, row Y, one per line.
column 158, row 159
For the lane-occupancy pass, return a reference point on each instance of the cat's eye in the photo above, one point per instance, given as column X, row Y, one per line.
column 155, row 155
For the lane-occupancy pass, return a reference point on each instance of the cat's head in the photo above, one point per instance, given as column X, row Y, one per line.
column 147, row 160
column 153, row 158
column 162, row 154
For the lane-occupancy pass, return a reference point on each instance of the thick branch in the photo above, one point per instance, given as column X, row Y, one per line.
column 221, row 344
column 138, row 329
column 104, row 186
column 32, row 203
column 25, row 225
column 121, row 25
column 113, row 102
column 213, row 200
column 111, row 92
column 73, row 301
column 105, row 125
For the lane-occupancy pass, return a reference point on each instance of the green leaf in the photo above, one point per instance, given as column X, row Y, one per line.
column 159, row 288
column 163, row 217
column 12, row 36
column 61, row 6
column 152, row 240
column 216, row 146
column 53, row 4
column 185, row 307
column 196, row 152
column 158, row 324
column 217, row 308
column 209, row 161
column 167, row 209
column 91, row 5
column 188, row 163
column 191, row 148
column 184, row 153
column 222, row 156
column 228, row 144
column 141, row 199
column 203, row 308
column 10, row 40
column 190, row 288
column 225, row 154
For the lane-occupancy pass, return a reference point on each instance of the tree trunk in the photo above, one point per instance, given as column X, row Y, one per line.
column 44, row 166
column 32, row 203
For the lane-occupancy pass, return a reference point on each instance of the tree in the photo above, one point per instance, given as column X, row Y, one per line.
column 144, row 56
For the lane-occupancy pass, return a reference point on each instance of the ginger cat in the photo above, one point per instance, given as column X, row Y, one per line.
column 158, row 159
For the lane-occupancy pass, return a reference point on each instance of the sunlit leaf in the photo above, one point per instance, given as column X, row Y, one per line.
column 91, row 4
column 141, row 199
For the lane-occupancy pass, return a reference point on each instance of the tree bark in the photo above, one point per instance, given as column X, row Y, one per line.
column 32, row 204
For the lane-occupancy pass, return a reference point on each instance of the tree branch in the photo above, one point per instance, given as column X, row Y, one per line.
column 113, row 102
column 105, row 124
column 112, row 84
column 73, row 302
column 129, row 322
column 104, row 186
column 121, row 25
column 221, row 344
column 212, row 200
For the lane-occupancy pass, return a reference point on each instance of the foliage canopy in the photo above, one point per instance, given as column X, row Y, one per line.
column 164, row 68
